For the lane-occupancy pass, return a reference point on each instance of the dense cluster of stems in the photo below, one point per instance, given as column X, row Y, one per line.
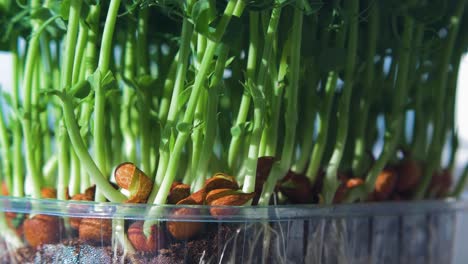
column 186, row 89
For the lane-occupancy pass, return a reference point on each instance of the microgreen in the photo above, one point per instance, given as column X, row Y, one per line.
column 187, row 89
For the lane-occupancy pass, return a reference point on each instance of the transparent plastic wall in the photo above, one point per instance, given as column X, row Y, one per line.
column 419, row 232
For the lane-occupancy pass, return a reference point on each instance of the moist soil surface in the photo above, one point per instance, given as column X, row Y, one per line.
column 202, row 249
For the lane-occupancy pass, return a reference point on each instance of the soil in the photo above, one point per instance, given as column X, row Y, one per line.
column 206, row 249
column 426, row 237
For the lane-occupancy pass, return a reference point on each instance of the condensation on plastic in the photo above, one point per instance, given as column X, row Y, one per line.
column 405, row 232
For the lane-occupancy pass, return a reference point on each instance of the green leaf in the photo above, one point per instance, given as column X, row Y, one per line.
column 229, row 61
column 108, row 81
column 242, row 128
column 165, row 136
column 107, row 84
column 257, row 94
column 112, row 93
column 248, row 127
column 60, row 23
column 184, row 127
column 41, row 13
column 203, row 13
column 84, row 128
column 81, row 89
column 184, row 96
column 65, row 9
column 95, row 79
column 146, row 81
column 154, row 115
column 236, row 131
column 140, row 85
column 131, row 83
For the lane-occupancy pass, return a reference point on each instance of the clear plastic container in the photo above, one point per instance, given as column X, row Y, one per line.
column 409, row 232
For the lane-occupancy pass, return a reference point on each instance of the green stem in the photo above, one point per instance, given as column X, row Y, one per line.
column 331, row 182
column 271, row 132
column 66, row 82
column 359, row 157
column 80, row 49
column 435, row 148
column 18, row 165
column 35, row 115
column 145, row 132
column 79, row 146
column 100, row 96
column 415, row 81
column 184, row 53
column 31, row 59
column 180, row 77
column 142, row 43
column 117, row 135
column 280, row 168
column 18, row 162
column 201, row 46
column 191, row 105
column 49, row 170
column 309, row 112
column 236, row 140
column 85, row 116
column 451, row 129
column 63, row 162
column 419, row 143
column 259, row 103
column 395, row 125
column 107, row 36
column 267, row 143
column 128, row 95
column 145, row 100
column 5, row 151
column 70, row 44
column 88, row 68
column 322, row 127
column 165, row 101
column 323, row 114
column 43, row 116
column 75, row 173
column 210, row 120
column 111, row 145
column 91, row 55
column 197, row 135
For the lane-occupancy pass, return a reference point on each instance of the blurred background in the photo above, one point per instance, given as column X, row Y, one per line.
column 461, row 255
